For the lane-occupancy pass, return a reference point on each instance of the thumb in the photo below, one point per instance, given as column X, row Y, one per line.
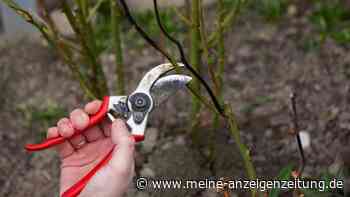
column 113, row 180
column 123, row 155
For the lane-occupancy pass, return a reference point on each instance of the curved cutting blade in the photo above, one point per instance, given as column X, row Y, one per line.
column 167, row 86
column 153, row 75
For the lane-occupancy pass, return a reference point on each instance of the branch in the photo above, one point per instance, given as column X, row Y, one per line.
column 229, row 19
column 29, row 19
column 182, row 17
column 296, row 129
column 206, row 53
column 117, row 45
column 244, row 151
column 94, row 10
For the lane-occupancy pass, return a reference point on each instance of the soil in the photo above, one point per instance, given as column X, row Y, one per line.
column 266, row 62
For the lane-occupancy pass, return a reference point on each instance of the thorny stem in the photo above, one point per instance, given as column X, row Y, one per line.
column 210, row 62
column 93, row 11
column 182, row 17
column 81, row 29
column 202, row 99
column 195, row 59
column 76, row 72
column 119, row 63
column 244, row 151
column 75, row 26
column 30, row 19
column 221, row 56
column 206, row 53
column 226, row 21
column 98, row 79
column 296, row 132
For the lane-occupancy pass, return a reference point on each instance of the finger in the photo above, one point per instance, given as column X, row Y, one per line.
column 119, row 132
column 65, row 149
column 125, row 144
column 79, row 119
column 52, row 132
column 94, row 134
column 65, row 128
column 106, row 127
column 92, row 107
column 78, row 141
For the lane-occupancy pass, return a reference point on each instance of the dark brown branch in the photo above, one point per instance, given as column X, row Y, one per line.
column 296, row 130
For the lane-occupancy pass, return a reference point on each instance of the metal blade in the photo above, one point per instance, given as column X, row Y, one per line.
column 153, row 75
column 167, row 86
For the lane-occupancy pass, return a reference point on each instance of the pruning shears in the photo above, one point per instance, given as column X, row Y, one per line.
column 134, row 109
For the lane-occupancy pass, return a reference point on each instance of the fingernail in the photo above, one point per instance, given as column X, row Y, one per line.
column 132, row 138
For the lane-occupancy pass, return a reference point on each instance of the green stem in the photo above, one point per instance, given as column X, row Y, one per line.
column 221, row 55
column 244, row 151
column 195, row 60
column 182, row 17
column 210, row 62
column 227, row 21
column 98, row 77
column 25, row 15
column 116, row 16
column 67, row 57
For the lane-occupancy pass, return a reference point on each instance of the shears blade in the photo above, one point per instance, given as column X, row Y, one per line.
column 167, row 86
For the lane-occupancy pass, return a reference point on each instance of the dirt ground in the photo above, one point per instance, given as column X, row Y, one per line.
column 265, row 63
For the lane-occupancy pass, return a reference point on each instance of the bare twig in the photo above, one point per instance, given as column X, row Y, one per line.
column 30, row 19
column 94, row 10
column 296, row 128
column 182, row 17
column 230, row 18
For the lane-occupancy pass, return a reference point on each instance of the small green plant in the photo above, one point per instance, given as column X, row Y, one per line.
column 332, row 18
column 284, row 175
column 272, row 10
column 44, row 117
column 260, row 100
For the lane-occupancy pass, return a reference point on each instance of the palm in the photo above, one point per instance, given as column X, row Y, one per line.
column 75, row 166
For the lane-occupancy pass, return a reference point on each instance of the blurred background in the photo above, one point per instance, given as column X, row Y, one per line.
column 261, row 51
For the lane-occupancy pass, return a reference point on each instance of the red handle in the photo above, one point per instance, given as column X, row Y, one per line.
column 94, row 120
column 75, row 190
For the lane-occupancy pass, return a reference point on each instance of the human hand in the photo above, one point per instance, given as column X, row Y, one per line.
column 81, row 153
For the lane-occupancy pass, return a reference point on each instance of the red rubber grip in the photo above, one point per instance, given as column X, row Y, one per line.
column 76, row 189
column 94, row 120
